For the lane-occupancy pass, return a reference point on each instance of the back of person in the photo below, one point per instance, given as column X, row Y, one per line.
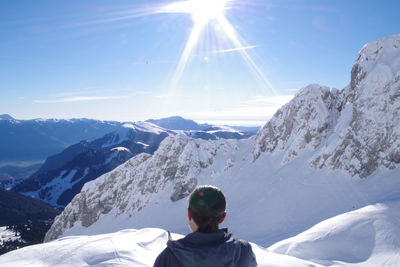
column 207, row 245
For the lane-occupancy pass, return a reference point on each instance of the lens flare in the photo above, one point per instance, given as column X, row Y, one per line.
column 203, row 12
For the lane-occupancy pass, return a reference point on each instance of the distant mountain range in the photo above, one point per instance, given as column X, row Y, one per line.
column 62, row 176
column 178, row 123
column 35, row 140
column 10, row 175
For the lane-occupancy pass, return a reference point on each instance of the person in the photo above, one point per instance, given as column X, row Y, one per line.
column 207, row 245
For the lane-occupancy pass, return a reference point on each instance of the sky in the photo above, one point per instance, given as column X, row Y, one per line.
column 217, row 61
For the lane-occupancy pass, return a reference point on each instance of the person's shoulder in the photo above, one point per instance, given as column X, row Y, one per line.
column 247, row 257
column 237, row 241
column 167, row 257
column 164, row 258
column 245, row 245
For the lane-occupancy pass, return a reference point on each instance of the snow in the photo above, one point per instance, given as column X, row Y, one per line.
column 124, row 133
column 287, row 200
column 8, row 235
column 119, row 136
column 120, row 148
column 368, row 236
column 143, row 144
column 58, row 186
column 124, row 248
column 149, row 127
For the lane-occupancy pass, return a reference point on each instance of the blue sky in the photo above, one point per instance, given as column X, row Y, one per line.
column 122, row 60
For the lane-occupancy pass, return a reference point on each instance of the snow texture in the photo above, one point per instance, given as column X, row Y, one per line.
column 124, row 248
column 369, row 236
column 8, row 235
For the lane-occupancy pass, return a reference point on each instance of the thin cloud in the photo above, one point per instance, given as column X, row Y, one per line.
column 276, row 101
column 234, row 49
column 258, row 109
column 78, row 99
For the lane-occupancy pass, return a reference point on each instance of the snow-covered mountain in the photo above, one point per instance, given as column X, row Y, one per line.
column 204, row 131
column 62, row 176
column 325, row 153
column 179, row 123
column 35, row 140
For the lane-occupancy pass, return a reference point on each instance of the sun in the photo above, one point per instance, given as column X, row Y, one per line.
column 202, row 10
column 205, row 10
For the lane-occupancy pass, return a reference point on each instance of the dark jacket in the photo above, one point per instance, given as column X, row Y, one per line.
column 214, row 249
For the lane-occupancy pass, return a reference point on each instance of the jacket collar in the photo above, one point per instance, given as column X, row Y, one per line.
column 197, row 239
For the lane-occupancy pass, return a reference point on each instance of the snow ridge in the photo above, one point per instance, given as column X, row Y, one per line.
column 371, row 139
column 303, row 122
column 356, row 129
column 128, row 189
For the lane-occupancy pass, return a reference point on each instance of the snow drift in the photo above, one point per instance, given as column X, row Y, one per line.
column 369, row 236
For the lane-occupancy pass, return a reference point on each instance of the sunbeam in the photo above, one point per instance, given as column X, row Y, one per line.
column 231, row 33
column 204, row 11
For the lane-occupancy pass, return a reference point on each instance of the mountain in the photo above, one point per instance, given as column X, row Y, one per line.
column 325, row 153
column 10, row 175
column 35, row 140
column 246, row 129
column 179, row 123
column 6, row 117
column 16, row 208
column 62, row 176
column 204, row 131
column 23, row 220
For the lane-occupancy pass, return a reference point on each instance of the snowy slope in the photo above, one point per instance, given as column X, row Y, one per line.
column 7, row 235
column 366, row 237
column 369, row 236
column 124, row 248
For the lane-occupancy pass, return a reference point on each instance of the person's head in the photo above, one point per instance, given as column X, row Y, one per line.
column 206, row 208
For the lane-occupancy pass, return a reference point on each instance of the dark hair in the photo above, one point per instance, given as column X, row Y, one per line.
column 207, row 207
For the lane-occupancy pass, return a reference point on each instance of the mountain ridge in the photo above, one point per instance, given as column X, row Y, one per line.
column 278, row 159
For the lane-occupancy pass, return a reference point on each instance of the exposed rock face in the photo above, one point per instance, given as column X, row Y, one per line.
column 370, row 139
column 355, row 129
column 304, row 122
column 127, row 189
